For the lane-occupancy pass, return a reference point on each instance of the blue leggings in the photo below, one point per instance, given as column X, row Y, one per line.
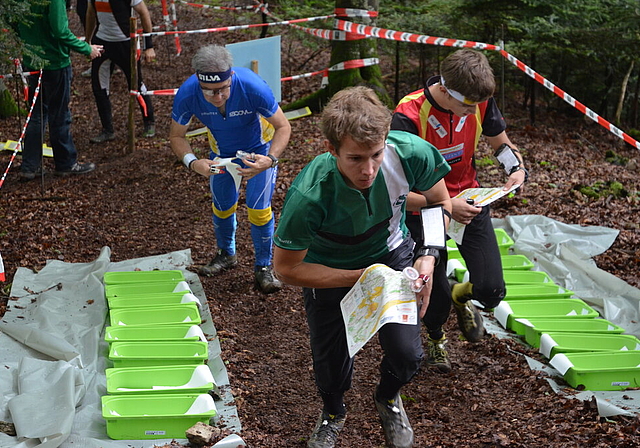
column 259, row 190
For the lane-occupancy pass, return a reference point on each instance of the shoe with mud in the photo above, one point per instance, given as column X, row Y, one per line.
column 326, row 432
column 437, row 356
column 469, row 318
column 77, row 168
column 221, row 262
column 103, row 137
column 149, row 131
column 266, row 281
column 397, row 429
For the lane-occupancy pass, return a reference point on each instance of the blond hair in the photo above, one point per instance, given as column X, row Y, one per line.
column 356, row 112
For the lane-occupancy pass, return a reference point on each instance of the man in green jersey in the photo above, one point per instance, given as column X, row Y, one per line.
column 344, row 212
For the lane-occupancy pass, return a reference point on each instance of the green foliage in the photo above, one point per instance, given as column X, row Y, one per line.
column 615, row 159
column 12, row 13
column 603, row 189
column 8, row 106
column 485, row 161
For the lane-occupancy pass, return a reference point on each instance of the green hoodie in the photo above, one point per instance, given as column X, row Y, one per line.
column 49, row 30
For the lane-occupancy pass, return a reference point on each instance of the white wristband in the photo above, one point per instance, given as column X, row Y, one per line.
column 188, row 158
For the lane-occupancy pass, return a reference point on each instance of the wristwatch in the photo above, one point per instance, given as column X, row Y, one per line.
column 428, row 251
column 274, row 160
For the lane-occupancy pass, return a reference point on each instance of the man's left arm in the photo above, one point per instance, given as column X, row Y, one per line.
column 142, row 11
column 281, row 135
column 519, row 176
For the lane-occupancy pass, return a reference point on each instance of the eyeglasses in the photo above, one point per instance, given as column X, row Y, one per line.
column 214, row 92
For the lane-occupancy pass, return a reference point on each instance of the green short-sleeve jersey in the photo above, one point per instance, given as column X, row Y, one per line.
column 343, row 228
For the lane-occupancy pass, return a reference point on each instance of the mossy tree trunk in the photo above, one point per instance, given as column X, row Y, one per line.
column 342, row 51
column 8, row 106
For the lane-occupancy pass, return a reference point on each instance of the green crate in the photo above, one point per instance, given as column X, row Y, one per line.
column 511, row 313
column 137, row 301
column 534, row 327
column 617, row 370
column 504, row 244
column 132, row 333
column 127, row 277
column 182, row 379
column 186, row 314
column 161, row 416
column 537, row 291
column 158, row 353
column 137, row 289
column 514, row 262
column 553, row 343
column 519, row 277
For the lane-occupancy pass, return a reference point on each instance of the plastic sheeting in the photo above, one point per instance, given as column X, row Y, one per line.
column 53, row 354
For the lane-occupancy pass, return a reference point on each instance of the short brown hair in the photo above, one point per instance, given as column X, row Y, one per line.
column 468, row 72
column 356, row 112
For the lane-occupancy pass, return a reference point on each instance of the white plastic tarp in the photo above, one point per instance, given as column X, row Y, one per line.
column 53, row 355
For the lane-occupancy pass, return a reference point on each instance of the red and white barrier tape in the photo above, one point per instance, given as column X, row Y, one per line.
column 230, row 8
column 571, row 100
column 329, row 34
column 352, row 12
column 171, row 23
column 346, row 65
column 383, row 33
column 236, row 27
column 24, row 129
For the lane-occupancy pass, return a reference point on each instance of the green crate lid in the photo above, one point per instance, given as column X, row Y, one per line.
column 161, row 299
column 536, row 291
column 509, row 313
column 534, row 327
column 554, row 343
column 185, row 314
column 160, row 379
column 120, row 277
column 132, row 333
column 137, row 289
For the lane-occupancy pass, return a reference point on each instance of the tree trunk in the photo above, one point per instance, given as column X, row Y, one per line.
column 345, row 51
column 8, row 106
column 623, row 93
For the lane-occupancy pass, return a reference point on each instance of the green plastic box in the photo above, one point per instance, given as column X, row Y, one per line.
column 138, row 289
column 553, row 343
column 510, row 312
column 132, row 333
column 142, row 300
column 183, row 379
column 519, row 277
column 509, row 262
column 115, row 278
column 504, row 244
column 537, row 291
column 535, row 327
column 160, row 353
column 160, row 416
column 186, row 314
column 617, row 370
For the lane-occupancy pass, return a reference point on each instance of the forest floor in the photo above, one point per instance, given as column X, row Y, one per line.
column 145, row 203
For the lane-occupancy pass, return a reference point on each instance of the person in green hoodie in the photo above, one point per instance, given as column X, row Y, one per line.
column 47, row 33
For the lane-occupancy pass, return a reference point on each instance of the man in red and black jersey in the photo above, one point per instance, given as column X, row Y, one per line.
column 452, row 112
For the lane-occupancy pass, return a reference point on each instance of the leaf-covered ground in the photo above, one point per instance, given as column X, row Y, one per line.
column 145, row 203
